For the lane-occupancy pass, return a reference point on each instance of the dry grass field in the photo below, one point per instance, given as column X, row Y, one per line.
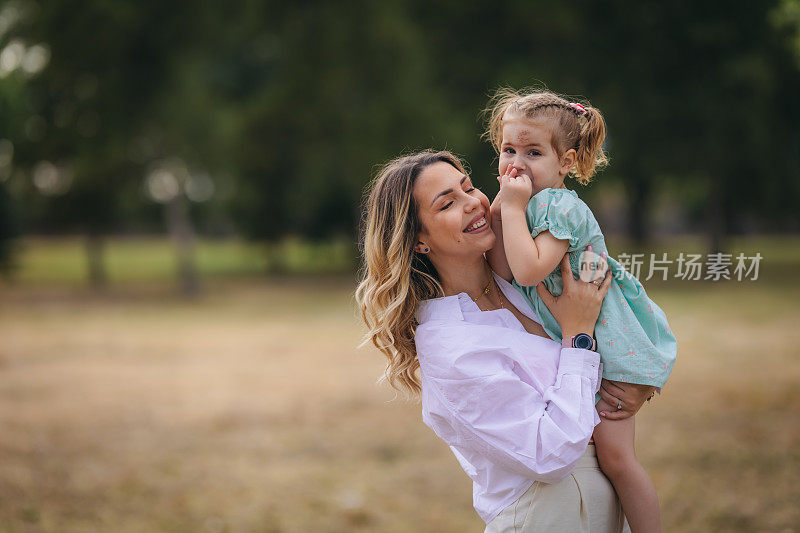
column 251, row 410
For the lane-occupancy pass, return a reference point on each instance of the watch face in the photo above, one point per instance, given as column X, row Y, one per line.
column 582, row 340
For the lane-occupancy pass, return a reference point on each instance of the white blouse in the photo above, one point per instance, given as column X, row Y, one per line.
column 513, row 407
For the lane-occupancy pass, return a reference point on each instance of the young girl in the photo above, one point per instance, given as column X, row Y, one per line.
column 541, row 139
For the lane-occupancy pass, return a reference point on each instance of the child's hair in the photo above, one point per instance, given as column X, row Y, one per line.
column 573, row 125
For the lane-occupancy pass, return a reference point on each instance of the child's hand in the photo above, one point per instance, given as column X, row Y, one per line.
column 516, row 190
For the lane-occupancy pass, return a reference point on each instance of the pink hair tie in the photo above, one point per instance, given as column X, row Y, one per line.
column 579, row 107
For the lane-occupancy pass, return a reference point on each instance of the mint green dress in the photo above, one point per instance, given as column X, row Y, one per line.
column 634, row 339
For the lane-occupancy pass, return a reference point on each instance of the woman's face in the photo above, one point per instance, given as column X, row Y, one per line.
column 453, row 214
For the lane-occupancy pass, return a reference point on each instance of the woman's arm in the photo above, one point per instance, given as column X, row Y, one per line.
column 511, row 423
column 497, row 254
column 529, row 259
column 507, row 420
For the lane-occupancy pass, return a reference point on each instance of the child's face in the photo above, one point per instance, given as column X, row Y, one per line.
column 526, row 146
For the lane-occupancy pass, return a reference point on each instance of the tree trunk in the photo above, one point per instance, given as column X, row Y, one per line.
column 95, row 251
column 717, row 227
column 180, row 229
column 639, row 193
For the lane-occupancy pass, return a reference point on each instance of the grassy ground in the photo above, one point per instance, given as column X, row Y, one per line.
column 250, row 409
column 61, row 262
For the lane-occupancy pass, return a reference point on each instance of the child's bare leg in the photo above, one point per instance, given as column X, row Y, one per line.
column 617, row 457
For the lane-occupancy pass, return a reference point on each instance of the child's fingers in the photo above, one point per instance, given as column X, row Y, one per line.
column 522, row 178
column 506, row 180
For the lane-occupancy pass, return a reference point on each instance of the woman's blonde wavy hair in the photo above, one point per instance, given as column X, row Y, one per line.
column 580, row 127
column 394, row 278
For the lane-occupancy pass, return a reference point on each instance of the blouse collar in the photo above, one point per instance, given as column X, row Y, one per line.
column 453, row 307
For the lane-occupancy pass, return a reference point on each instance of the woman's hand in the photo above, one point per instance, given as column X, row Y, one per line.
column 591, row 264
column 631, row 395
column 578, row 307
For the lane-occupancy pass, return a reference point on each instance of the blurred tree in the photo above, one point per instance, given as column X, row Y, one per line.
column 86, row 107
column 343, row 86
column 7, row 230
column 276, row 113
column 693, row 94
column 119, row 93
column 689, row 98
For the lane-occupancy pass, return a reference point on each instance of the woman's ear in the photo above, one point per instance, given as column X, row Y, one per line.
column 568, row 161
column 421, row 248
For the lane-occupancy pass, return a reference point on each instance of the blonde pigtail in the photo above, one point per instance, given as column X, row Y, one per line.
column 590, row 155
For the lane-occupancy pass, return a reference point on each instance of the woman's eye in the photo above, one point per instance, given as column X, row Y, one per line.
column 446, row 206
column 471, row 189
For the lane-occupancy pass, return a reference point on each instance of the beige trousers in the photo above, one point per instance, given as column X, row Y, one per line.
column 584, row 501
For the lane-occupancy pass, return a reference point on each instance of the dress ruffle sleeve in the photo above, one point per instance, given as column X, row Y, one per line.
column 563, row 214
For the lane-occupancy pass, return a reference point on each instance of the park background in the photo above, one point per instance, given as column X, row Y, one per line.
column 180, row 188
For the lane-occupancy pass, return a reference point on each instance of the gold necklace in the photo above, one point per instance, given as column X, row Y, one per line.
column 486, row 293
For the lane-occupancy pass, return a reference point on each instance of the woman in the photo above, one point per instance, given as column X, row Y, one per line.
column 516, row 408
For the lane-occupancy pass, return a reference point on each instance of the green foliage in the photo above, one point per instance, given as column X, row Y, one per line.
column 290, row 106
column 62, row 262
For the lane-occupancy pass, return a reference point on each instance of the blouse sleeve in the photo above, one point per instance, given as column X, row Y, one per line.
column 508, row 421
column 561, row 212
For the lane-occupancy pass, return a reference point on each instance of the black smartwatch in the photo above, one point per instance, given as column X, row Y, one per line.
column 581, row 340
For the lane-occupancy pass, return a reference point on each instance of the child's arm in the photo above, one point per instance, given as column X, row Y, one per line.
column 530, row 259
column 497, row 255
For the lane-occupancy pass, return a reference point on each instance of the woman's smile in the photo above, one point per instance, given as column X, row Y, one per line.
column 477, row 224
